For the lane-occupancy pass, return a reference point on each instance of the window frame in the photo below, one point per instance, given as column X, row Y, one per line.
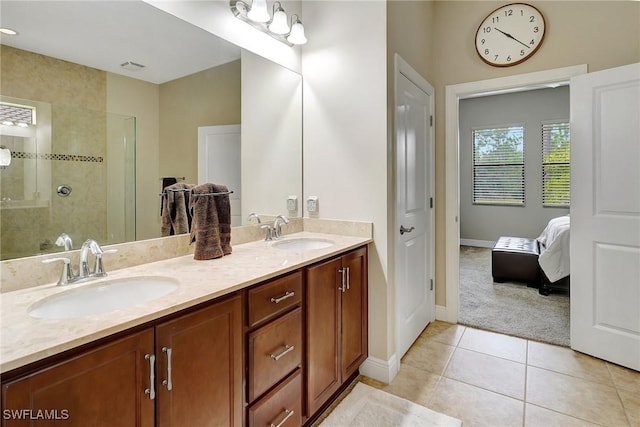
column 474, row 129
column 543, row 124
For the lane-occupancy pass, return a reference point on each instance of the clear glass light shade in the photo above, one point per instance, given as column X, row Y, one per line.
column 279, row 25
column 258, row 11
column 297, row 33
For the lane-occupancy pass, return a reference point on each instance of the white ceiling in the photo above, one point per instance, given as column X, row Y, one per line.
column 104, row 34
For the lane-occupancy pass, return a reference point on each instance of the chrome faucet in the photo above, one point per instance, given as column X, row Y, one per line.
column 277, row 225
column 65, row 240
column 96, row 250
column 84, row 272
column 254, row 215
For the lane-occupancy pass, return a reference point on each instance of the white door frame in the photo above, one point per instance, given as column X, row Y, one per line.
column 403, row 68
column 453, row 94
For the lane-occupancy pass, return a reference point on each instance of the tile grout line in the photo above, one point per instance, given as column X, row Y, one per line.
column 615, row 387
column 526, row 377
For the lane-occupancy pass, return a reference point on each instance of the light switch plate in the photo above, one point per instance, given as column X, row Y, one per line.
column 292, row 203
column 312, row 204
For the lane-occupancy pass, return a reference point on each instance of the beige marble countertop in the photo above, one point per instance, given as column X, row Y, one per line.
column 24, row 339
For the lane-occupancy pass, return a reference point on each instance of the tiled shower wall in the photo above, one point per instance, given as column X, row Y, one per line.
column 77, row 95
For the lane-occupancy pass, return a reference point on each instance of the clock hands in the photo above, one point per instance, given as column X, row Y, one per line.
column 513, row 38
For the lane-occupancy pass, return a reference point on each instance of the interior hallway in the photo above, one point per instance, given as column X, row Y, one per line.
column 490, row 379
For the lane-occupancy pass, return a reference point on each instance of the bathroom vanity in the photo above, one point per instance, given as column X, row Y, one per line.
column 264, row 336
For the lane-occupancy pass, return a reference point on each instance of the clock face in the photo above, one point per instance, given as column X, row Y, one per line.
column 510, row 34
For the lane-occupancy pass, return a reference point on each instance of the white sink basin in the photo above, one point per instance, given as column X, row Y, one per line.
column 102, row 297
column 302, row 244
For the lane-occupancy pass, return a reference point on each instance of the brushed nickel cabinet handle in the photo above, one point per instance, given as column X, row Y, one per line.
column 348, row 277
column 287, row 348
column 343, row 281
column 287, row 294
column 151, row 391
column 288, row 413
column 167, row 383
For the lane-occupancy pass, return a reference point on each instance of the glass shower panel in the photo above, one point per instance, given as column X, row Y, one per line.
column 72, row 171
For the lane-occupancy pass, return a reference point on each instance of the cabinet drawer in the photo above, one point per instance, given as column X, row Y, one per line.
column 275, row 350
column 280, row 407
column 275, row 297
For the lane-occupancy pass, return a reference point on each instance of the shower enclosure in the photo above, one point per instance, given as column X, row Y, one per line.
column 71, row 170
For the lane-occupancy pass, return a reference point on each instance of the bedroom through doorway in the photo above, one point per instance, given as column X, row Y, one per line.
column 514, row 182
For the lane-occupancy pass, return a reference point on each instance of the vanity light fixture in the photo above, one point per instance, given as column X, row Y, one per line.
column 296, row 36
column 257, row 15
column 279, row 24
column 258, row 11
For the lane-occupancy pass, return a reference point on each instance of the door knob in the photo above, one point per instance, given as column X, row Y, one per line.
column 404, row 229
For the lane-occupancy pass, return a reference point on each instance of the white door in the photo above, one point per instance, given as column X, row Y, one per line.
column 414, row 229
column 219, row 162
column 605, row 215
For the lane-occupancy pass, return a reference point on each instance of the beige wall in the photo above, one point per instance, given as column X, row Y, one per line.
column 601, row 34
column 207, row 98
column 345, row 133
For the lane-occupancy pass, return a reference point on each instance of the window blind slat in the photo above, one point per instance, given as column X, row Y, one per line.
column 556, row 171
column 498, row 166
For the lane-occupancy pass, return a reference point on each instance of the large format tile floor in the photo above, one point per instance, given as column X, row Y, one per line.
column 490, row 379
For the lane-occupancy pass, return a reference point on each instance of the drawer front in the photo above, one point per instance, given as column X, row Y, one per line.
column 267, row 301
column 281, row 407
column 275, row 350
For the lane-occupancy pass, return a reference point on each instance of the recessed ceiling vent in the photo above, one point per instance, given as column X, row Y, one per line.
column 132, row 66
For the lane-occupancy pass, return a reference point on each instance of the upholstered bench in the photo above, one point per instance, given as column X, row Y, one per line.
column 516, row 259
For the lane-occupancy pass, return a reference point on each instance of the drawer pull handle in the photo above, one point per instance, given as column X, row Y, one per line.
column 167, row 383
column 286, row 295
column 288, row 413
column 151, row 391
column 287, row 348
column 343, row 280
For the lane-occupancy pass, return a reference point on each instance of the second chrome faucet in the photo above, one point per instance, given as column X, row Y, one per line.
column 275, row 232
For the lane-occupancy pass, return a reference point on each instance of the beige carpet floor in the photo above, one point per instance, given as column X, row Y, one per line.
column 508, row 308
column 370, row 407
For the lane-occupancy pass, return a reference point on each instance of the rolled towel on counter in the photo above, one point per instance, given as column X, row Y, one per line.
column 212, row 240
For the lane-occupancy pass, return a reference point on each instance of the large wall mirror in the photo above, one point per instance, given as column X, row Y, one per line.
column 119, row 95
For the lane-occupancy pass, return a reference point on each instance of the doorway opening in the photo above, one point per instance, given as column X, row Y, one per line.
column 454, row 94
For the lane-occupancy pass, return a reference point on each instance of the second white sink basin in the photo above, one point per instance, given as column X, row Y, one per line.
column 103, row 297
column 302, row 244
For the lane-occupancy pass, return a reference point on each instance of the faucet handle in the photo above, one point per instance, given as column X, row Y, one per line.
column 98, row 271
column 67, row 273
column 270, row 231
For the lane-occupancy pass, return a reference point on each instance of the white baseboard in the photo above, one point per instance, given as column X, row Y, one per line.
column 478, row 243
column 381, row 370
column 445, row 315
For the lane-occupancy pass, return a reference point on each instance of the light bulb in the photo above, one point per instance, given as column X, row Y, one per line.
column 258, row 12
column 279, row 25
column 297, row 32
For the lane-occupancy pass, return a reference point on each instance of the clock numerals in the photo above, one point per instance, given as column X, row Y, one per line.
column 510, row 34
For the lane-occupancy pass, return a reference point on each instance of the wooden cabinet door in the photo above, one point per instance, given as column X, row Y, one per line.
column 104, row 387
column 354, row 344
column 199, row 367
column 323, row 308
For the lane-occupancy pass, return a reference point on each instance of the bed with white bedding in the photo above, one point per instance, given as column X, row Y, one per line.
column 554, row 250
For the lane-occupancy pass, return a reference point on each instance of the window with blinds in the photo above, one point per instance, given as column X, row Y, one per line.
column 556, row 169
column 498, row 166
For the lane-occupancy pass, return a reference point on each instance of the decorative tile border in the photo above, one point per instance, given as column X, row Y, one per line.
column 53, row 156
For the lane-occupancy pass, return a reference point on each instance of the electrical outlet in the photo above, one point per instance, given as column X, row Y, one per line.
column 292, row 203
column 312, row 204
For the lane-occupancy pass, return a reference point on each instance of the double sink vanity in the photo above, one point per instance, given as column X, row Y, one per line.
column 268, row 335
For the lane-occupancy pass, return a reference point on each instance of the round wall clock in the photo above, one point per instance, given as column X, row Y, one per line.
column 510, row 34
